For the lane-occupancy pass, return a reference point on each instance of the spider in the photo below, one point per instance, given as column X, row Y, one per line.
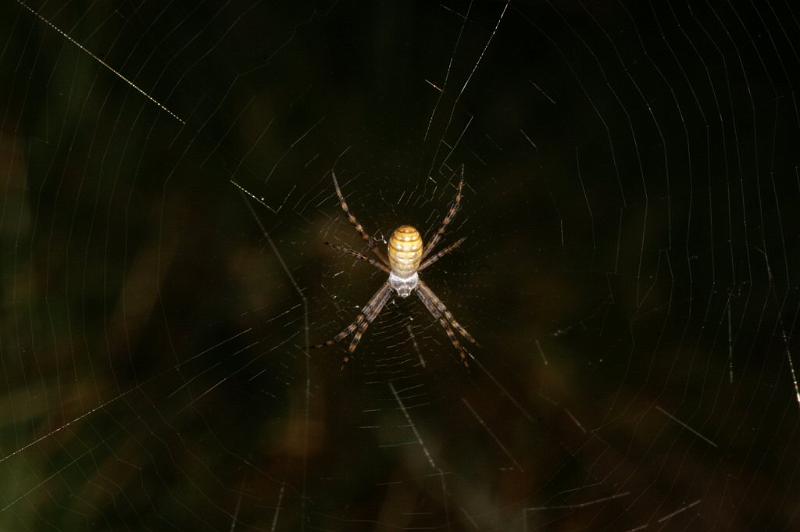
column 406, row 258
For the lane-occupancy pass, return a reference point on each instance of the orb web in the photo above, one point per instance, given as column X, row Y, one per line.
column 628, row 268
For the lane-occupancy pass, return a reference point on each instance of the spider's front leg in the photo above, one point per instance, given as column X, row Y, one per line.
column 365, row 317
column 426, row 291
column 445, row 319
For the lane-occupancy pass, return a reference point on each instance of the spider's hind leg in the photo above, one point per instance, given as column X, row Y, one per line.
column 438, row 255
column 359, row 256
column 448, row 218
column 355, row 223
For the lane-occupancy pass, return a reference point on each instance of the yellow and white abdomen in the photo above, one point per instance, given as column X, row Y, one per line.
column 405, row 254
column 405, row 251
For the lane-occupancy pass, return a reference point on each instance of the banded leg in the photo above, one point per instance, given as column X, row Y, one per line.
column 347, row 331
column 369, row 318
column 447, row 219
column 359, row 228
column 359, row 256
column 424, row 291
column 439, row 254
column 429, row 304
column 379, row 298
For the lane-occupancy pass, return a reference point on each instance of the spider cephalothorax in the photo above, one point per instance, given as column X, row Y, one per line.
column 406, row 257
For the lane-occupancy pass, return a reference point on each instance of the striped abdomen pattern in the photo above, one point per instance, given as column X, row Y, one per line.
column 405, row 251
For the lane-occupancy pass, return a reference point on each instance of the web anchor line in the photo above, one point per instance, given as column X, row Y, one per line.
column 99, row 60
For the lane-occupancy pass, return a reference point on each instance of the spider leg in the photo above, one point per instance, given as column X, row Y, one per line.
column 425, row 292
column 347, row 331
column 359, row 228
column 359, row 256
column 368, row 313
column 454, row 340
column 447, row 219
column 373, row 313
column 439, row 254
column 429, row 304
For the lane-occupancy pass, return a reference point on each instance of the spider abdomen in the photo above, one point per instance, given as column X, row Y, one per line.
column 405, row 251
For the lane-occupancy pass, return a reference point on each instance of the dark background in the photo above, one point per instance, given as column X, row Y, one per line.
column 629, row 269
